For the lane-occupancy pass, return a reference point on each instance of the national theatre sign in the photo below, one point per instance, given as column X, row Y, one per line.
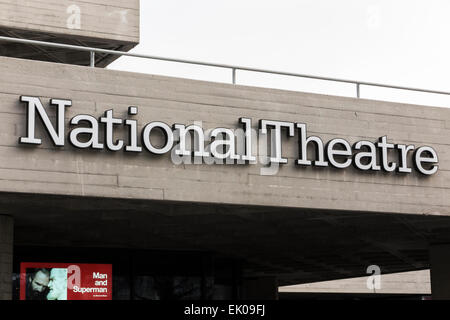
column 233, row 145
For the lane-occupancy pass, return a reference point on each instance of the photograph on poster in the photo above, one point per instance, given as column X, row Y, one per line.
column 65, row 281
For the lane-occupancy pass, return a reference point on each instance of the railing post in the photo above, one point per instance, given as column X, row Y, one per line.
column 357, row 90
column 92, row 59
column 233, row 75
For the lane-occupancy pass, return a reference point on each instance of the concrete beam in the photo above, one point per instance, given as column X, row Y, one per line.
column 413, row 282
column 440, row 275
column 102, row 173
column 6, row 257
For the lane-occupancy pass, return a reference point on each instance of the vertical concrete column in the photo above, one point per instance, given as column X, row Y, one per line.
column 264, row 288
column 6, row 256
column 440, row 271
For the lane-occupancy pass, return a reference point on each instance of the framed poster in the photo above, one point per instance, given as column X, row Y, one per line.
column 65, row 281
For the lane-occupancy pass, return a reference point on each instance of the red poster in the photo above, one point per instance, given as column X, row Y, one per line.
column 65, row 281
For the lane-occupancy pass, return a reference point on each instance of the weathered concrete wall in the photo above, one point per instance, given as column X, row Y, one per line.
column 119, row 18
column 413, row 282
column 69, row 171
column 6, row 257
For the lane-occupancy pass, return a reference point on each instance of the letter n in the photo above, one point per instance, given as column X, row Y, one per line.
column 33, row 104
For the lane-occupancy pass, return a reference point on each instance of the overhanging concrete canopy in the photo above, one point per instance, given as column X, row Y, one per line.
column 296, row 245
column 302, row 223
column 69, row 22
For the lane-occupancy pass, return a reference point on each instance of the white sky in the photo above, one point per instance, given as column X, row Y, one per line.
column 398, row 42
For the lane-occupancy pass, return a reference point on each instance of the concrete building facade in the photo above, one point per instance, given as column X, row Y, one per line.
column 85, row 175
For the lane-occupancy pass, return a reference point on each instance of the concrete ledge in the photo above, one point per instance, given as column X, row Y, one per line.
column 414, row 282
column 110, row 25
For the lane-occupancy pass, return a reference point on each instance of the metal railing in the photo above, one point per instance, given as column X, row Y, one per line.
column 92, row 51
